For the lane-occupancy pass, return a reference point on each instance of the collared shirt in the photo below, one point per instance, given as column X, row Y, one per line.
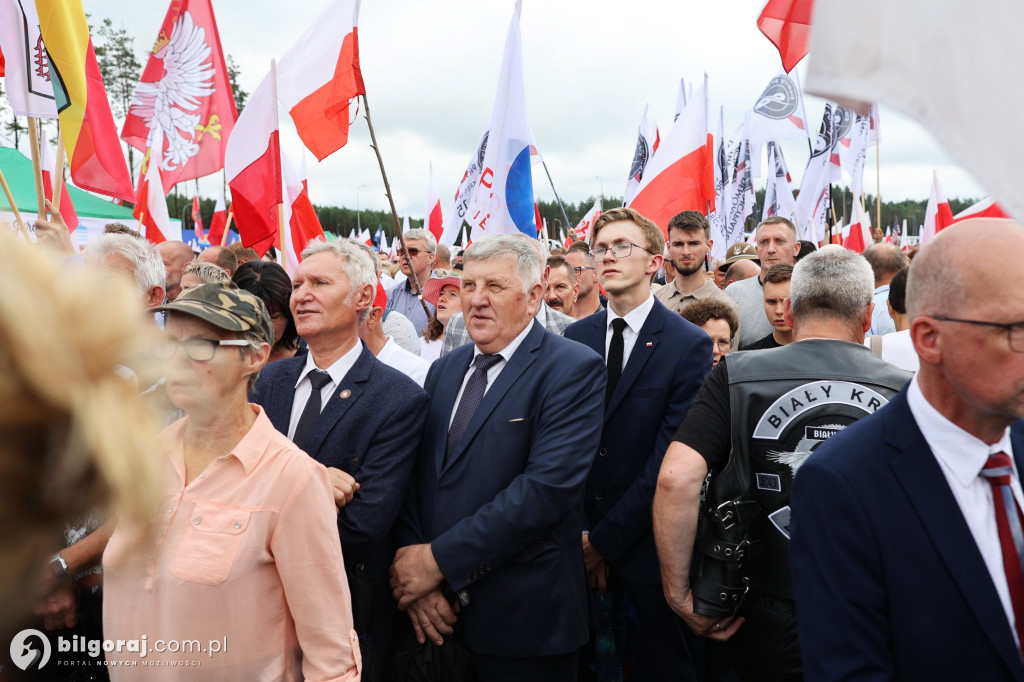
column 635, row 319
column 412, row 366
column 506, row 354
column 303, row 387
column 881, row 321
column 961, row 457
column 246, row 555
column 404, row 301
column 677, row 302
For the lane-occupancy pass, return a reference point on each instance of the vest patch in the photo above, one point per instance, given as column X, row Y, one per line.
column 769, row 482
column 780, row 519
column 792, row 404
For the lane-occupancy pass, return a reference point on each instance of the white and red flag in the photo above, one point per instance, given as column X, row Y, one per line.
column 860, row 235
column 496, row 192
column 681, row 176
column 186, row 94
column 778, row 195
column 26, row 72
column 151, row 209
column 938, row 215
column 197, row 217
column 365, row 237
column 739, row 191
column 778, row 114
column 48, row 165
column 582, row 231
column 219, row 220
column 319, row 76
column 641, row 156
column 252, row 164
column 435, row 216
column 299, row 215
column 986, row 208
column 787, row 23
column 717, row 218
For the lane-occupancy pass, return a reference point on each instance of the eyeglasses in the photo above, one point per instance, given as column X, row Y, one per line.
column 413, row 252
column 1014, row 330
column 579, row 270
column 197, row 350
column 620, row 250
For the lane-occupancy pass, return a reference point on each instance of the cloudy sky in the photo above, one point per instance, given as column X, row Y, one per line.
column 590, row 66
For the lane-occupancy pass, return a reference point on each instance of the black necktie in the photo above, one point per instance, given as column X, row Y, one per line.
column 471, row 398
column 311, row 412
column 615, row 353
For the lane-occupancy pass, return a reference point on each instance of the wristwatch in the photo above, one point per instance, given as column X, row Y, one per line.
column 58, row 567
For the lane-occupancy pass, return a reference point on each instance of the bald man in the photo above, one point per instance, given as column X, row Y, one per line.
column 924, row 580
column 222, row 257
column 175, row 255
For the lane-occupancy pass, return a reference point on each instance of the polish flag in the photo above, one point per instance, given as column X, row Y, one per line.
column 938, row 215
column 681, row 176
column 219, row 221
column 582, row 231
column 197, row 217
column 48, row 164
column 320, row 74
column 838, row 232
column 888, row 235
column 303, row 223
column 787, row 23
column 435, row 216
column 151, row 209
column 366, row 237
column 465, row 242
column 860, row 236
column 252, row 163
column 986, row 208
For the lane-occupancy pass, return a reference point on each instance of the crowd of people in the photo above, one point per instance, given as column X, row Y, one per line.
column 518, row 461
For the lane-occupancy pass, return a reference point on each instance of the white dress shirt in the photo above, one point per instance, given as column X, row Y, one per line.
column 412, row 366
column 961, row 457
column 506, row 354
column 303, row 387
column 635, row 319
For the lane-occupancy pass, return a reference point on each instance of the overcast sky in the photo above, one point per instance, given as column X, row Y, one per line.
column 431, row 71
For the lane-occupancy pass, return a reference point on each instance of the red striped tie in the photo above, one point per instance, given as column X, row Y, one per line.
column 999, row 471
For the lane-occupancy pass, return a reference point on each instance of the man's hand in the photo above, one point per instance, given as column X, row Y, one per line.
column 719, row 629
column 414, row 574
column 344, row 486
column 59, row 608
column 53, row 233
column 597, row 569
column 432, row 616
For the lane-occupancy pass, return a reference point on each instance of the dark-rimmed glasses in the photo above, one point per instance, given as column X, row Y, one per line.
column 620, row 250
column 1014, row 330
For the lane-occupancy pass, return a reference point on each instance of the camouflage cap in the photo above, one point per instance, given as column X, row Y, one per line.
column 738, row 251
column 226, row 306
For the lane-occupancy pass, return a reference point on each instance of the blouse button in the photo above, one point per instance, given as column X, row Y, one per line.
column 238, row 524
column 196, row 520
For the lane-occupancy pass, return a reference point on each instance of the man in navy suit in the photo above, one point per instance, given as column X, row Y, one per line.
column 363, row 422
column 496, row 507
column 653, row 377
column 906, row 528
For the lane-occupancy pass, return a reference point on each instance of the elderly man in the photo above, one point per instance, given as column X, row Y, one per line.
column 497, row 505
column 563, row 289
column 404, row 297
column 924, row 579
column 776, row 243
column 175, row 255
column 589, row 300
column 757, row 418
column 134, row 257
column 353, row 414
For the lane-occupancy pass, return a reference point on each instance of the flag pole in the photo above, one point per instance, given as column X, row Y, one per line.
column 14, row 206
column 280, row 175
column 58, row 175
column 33, row 137
column 227, row 228
column 878, row 182
column 552, row 183
column 391, row 202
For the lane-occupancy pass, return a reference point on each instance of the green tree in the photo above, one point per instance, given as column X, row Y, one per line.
column 240, row 95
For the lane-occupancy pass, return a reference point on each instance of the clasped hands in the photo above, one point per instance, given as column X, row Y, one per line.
column 416, row 586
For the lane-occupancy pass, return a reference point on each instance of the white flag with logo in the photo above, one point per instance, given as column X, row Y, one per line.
column 812, row 202
column 718, row 216
column 778, row 194
column 778, row 114
column 740, row 190
column 27, row 71
column 641, row 157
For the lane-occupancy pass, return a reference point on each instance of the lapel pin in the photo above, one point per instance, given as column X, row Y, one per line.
column 344, row 394
column 650, row 343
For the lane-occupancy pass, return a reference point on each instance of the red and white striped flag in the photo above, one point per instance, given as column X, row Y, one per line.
column 582, row 231
column 435, row 216
column 860, row 235
column 219, row 221
column 986, row 208
column 299, row 215
column 938, row 215
column 151, row 209
column 319, row 76
column 197, row 217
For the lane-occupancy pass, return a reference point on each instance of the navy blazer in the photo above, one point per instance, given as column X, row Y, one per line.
column 371, row 434
column 889, row 582
column 665, row 370
column 503, row 514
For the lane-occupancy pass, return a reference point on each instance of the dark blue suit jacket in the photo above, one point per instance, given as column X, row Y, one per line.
column 665, row 369
column 372, row 435
column 889, row 582
column 503, row 515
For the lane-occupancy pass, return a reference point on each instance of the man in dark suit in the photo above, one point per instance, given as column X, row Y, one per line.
column 360, row 419
column 656, row 362
column 496, row 506
column 906, row 527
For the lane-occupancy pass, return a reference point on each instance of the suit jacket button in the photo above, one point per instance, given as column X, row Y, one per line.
column 602, row 452
column 599, row 496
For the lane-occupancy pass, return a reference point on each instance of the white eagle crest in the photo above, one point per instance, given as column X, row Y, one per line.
column 803, row 450
column 173, row 103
